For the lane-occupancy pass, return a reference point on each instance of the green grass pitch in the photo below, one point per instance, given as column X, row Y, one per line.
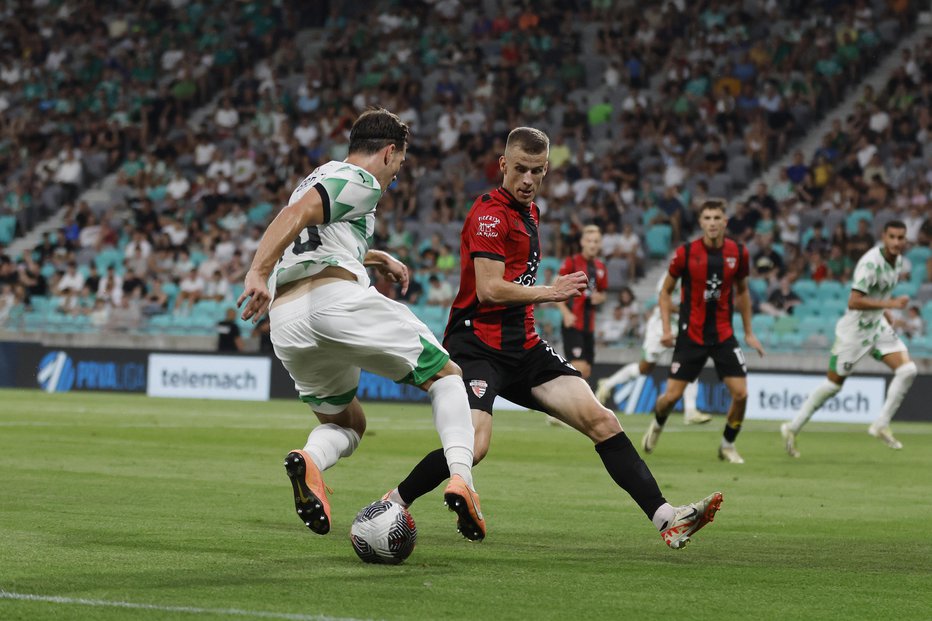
column 168, row 509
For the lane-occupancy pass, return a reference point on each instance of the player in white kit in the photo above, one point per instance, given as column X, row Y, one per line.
column 327, row 323
column 865, row 329
column 652, row 350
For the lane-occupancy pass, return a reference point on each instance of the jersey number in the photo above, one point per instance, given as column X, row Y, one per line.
column 313, row 241
column 741, row 359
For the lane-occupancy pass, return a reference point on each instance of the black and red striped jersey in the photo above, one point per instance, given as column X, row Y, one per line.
column 498, row 227
column 581, row 306
column 707, row 299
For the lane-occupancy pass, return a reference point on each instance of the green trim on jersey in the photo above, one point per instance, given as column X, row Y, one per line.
column 343, row 399
column 429, row 362
column 833, row 364
column 359, row 227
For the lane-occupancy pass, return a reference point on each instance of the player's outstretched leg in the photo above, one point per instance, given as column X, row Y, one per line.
column 689, row 519
column 310, row 493
column 605, row 386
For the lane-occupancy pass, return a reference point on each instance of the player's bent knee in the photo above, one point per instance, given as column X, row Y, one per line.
column 602, row 425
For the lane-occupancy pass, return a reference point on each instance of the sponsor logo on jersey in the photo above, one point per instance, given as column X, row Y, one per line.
column 487, row 226
column 478, row 387
column 713, row 288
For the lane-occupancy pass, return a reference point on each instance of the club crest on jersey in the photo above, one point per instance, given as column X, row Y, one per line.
column 487, row 226
column 478, row 387
column 731, row 262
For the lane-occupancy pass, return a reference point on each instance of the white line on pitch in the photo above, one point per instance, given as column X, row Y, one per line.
column 233, row 612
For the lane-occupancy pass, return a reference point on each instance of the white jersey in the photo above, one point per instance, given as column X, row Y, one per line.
column 675, row 297
column 875, row 278
column 350, row 195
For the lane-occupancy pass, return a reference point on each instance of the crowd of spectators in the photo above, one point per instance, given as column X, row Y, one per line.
column 650, row 109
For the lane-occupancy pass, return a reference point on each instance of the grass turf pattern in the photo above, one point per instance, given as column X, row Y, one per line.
column 183, row 507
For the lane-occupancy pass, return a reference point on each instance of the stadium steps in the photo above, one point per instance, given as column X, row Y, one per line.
column 877, row 79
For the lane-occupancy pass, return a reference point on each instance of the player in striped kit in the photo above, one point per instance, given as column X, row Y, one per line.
column 651, row 351
column 714, row 270
column 865, row 329
column 327, row 323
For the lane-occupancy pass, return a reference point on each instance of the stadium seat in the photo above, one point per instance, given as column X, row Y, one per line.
column 762, row 324
column 805, row 288
column 658, row 240
column 830, row 289
column 758, row 286
column 7, row 229
column 785, row 325
column 851, row 222
column 906, row 288
column 918, row 254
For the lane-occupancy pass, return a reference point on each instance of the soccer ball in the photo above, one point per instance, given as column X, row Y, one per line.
column 383, row 532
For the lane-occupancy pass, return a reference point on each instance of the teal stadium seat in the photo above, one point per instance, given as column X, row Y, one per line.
column 906, row 288
column 658, row 240
column 758, row 286
column 919, row 254
column 7, row 229
column 851, row 222
column 805, row 288
column 832, row 290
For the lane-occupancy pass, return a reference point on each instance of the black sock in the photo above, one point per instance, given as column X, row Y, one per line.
column 661, row 420
column 731, row 432
column 425, row 477
column 630, row 472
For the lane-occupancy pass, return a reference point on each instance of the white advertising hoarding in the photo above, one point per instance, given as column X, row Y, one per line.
column 779, row 396
column 209, row 377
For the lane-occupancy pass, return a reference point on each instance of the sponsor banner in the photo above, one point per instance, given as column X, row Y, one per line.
column 189, row 376
column 67, row 369
column 9, row 355
column 771, row 396
column 779, row 396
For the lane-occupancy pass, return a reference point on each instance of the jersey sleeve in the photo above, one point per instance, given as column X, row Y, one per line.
column 348, row 194
column 744, row 263
column 567, row 266
column 865, row 276
column 601, row 281
column 486, row 233
column 678, row 262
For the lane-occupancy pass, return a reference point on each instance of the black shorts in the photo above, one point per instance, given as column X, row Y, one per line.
column 578, row 345
column 488, row 372
column 689, row 357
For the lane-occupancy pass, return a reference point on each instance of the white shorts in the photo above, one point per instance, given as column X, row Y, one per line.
column 325, row 337
column 653, row 349
column 847, row 351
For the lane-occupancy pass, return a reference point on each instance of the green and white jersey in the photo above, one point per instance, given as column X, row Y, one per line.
column 875, row 278
column 350, row 195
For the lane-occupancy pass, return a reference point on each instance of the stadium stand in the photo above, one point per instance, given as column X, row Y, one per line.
column 165, row 138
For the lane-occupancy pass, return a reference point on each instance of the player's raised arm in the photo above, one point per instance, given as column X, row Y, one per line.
column 284, row 229
column 492, row 288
